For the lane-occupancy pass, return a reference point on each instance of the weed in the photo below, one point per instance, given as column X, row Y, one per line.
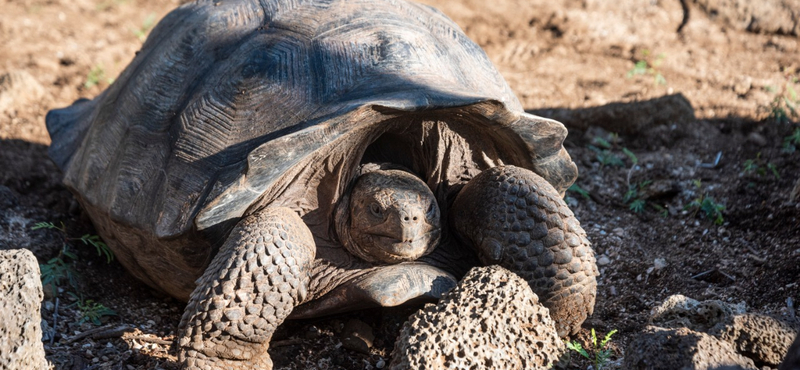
column 663, row 211
column 147, row 24
column 600, row 354
column 633, row 197
column 784, row 107
column 95, row 76
column 709, row 207
column 87, row 239
column 758, row 166
column 791, row 142
column 603, row 149
column 91, row 310
column 645, row 67
column 579, row 190
column 59, row 269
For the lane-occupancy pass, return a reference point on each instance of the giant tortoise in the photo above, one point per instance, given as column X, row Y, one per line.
column 277, row 159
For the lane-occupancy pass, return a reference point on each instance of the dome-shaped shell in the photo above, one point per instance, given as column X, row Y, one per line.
column 232, row 104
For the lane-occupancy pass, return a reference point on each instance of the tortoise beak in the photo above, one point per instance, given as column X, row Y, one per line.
column 403, row 227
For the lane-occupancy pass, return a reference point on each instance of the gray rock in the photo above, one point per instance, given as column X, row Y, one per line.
column 659, row 348
column 357, row 336
column 491, row 320
column 762, row 338
column 679, row 311
column 20, row 305
column 701, row 331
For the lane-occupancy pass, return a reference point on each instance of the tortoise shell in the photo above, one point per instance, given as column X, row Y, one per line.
column 233, row 106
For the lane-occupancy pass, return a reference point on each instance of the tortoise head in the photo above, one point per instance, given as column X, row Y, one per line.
column 392, row 217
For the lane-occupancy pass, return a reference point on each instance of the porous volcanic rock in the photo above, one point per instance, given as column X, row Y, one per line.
column 762, row 338
column 687, row 332
column 678, row 311
column 20, row 311
column 492, row 320
column 658, row 348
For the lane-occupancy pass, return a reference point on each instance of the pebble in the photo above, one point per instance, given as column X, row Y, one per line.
column 380, row 364
column 659, row 263
column 357, row 336
column 757, row 139
column 603, row 260
column 49, row 306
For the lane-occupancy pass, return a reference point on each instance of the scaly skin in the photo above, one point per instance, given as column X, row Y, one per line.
column 259, row 275
column 516, row 219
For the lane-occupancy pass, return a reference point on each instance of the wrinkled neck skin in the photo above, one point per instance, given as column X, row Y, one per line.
column 388, row 216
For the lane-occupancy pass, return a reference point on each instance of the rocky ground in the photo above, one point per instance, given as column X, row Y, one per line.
column 686, row 142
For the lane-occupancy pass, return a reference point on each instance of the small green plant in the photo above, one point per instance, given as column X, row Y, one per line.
column 579, row 190
column 600, row 354
column 710, row 208
column 92, row 311
column 603, row 150
column 633, row 196
column 649, row 66
column 95, row 76
column 87, row 239
column 58, row 270
column 784, row 107
column 147, row 24
column 758, row 166
column 791, row 142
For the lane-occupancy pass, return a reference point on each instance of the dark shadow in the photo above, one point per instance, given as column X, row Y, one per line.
column 625, row 118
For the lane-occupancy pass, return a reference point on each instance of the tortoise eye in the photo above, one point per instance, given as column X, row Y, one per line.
column 376, row 209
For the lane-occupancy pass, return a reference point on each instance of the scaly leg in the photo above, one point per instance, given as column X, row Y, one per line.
column 516, row 219
column 259, row 275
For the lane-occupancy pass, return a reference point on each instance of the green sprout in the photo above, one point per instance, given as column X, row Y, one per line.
column 96, row 75
column 709, row 207
column 758, row 166
column 791, row 142
column 600, row 354
column 603, row 150
column 633, row 196
column 87, row 239
column 59, row 269
column 579, row 190
column 643, row 67
column 92, row 311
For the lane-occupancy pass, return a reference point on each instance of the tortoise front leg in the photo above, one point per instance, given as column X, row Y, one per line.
column 259, row 275
column 516, row 219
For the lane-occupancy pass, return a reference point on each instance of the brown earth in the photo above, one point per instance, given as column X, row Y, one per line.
column 699, row 120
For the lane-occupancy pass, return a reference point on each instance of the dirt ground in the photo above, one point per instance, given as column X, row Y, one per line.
column 689, row 183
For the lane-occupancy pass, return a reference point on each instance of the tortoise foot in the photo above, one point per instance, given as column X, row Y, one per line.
column 516, row 219
column 259, row 275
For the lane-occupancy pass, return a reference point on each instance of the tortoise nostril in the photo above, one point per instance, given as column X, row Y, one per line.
column 416, row 218
column 405, row 218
